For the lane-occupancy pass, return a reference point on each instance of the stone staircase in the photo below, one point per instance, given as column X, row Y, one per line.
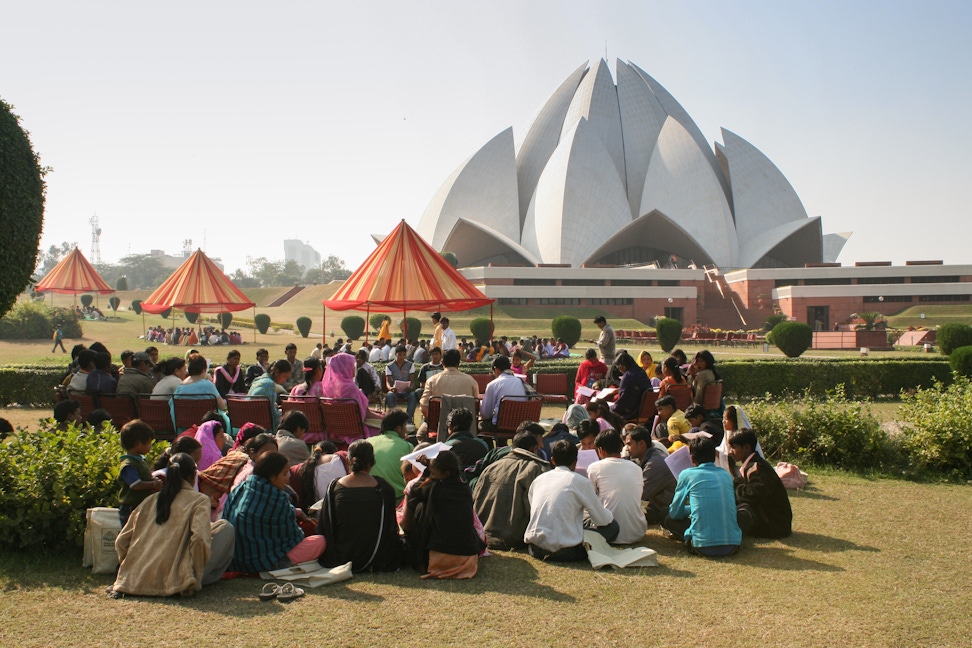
column 287, row 296
column 724, row 309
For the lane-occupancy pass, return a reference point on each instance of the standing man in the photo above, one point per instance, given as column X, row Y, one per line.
column 605, row 341
column 58, row 340
column 437, row 332
column 448, row 336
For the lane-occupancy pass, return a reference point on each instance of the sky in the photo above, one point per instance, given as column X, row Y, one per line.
column 240, row 124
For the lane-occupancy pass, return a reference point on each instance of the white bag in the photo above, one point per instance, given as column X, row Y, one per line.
column 310, row 574
column 102, row 527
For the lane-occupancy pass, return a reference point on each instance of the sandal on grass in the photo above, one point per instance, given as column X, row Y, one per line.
column 269, row 592
column 288, row 593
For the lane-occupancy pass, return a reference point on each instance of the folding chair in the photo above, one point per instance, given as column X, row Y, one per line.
column 432, row 420
column 513, row 410
column 120, row 406
column 647, row 410
column 250, row 409
column 311, row 407
column 191, row 410
column 552, row 388
column 342, row 419
column 156, row 413
column 682, row 395
column 712, row 396
column 87, row 402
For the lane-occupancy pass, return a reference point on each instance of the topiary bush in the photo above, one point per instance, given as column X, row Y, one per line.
column 22, row 191
column 86, row 300
column 303, row 325
column 225, row 319
column 137, row 306
column 481, row 328
column 353, row 326
column 669, row 332
column 952, row 336
column 191, row 317
column 938, row 427
column 121, row 283
column 960, row 361
column 792, row 338
column 376, row 319
column 566, row 327
column 114, row 302
column 262, row 322
column 413, row 328
column 828, row 430
column 166, row 313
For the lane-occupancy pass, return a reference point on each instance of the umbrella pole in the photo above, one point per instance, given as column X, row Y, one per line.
column 491, row 323
column 405, row 324
column 254, row 324
column 324, row 323
column 367, row 321
column 143, row 323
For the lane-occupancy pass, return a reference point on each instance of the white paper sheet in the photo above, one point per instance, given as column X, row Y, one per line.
column 431, row 452
column 600, row 553
column 679, row 461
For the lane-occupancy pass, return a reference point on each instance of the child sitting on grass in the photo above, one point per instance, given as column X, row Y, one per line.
column 135, row 475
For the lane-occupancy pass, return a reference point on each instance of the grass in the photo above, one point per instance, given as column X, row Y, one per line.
column 934, row 315
column 871, row 563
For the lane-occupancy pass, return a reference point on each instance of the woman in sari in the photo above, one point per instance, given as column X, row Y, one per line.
column 339, row 383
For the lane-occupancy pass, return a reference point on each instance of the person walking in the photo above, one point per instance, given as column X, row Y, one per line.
column 58, row 340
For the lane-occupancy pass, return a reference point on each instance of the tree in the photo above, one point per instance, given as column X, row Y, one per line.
column 114, row 302
column 243, row 280
column 451, row 258
column 304, row 325
column 53, row 256
column 144, row 271
column 333, row 269
column 121, row 283
column 262, row 323
column 22, row 194
column 669, row 332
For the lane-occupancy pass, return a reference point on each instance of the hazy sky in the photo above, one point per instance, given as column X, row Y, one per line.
column 241, row 123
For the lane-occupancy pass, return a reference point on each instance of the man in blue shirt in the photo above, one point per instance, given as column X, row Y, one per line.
column 703, row 511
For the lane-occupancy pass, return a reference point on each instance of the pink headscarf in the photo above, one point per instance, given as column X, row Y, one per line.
column 339, row 381
column 210, row 452
column 245, row 434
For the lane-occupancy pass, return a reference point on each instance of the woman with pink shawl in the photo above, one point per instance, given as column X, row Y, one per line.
column 211, row 435
column 339, row 383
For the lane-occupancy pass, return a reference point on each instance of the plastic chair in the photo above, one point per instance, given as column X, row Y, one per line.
column 482, row 379
column 311, row 407
column 342, row 418
column 156, row 413
column 552, row 387
column 120, row 406
column 191, row 410
column 647, row 409
column 682, row 395
column 513, row 410
column 712, row 396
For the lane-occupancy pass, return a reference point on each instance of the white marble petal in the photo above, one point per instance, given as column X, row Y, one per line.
column 642, row 118
column 483, row 189
column 596, row 101
column 680, row 184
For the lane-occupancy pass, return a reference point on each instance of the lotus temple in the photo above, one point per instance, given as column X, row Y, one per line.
column 614, row 199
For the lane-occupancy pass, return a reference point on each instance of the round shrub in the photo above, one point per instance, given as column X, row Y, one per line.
column 21, row 207
column 137, row 306
column 792, row 338
column 566, row 327
column 961, row 361
column 413, row 328
column 86, row 300
column 121, row 283
column 952, row 336
column 166, row 313
column 262, row 322
column 303, row 325
column 376, row 319
column 114, row 302
column 937, row 424
column 192, row 317
column 451, row 258
column 225, row 319
column 34, row 321
column 353, row 326
column 772, row 321
column 669, row 332
column 481, row 328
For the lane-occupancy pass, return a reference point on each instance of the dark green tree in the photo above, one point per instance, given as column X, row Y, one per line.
column 86, row 300
column 191, row 317
column 137, row 306
column 22, row 193
column 225, row 319
column 262, row 322
column 568, row 328
column 114, row 302
column 482, row 329
column 304, row 326
column 669, row 332
column 451, row 258
column 353, row 326
column 121, row 283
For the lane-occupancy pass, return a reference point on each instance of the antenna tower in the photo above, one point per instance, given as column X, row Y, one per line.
column 95, row 240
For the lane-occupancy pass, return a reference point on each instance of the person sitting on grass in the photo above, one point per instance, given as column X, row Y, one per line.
column 502, row 492
column 762, row 505
column 290, row 437
column 671, row 423
column 618, row 484
column 135, row 479
column 390, row 446
column 67, row 412
column 267, row 534
column 439, row 521
column 703, row 511
column 658, row 482
column 468, row 448
column 587, row 433
column 558, row 502
column 168, row 546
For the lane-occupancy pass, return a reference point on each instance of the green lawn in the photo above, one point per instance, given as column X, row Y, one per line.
column 871, row 563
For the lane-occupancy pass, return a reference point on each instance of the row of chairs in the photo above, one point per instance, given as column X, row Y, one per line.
column 338, row 417
column 552, row 387
column 711, row 400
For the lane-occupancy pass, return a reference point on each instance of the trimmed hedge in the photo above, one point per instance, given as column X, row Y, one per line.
column 669, row 332
column 953, row 335
column 29, row 385
column 961, row 361
column 482, row 329
column 262, row 322
column 303, row 325
column 568, row 328
column 30, row 320
column 413, row 326
column 353, row 326
column 792, row 338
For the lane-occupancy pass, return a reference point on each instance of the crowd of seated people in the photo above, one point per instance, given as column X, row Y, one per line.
column 89, row 312
column 188, row 336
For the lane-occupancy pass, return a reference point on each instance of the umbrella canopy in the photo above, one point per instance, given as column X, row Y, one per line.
column 197, row 286
column 405, row 272
column 74, row 274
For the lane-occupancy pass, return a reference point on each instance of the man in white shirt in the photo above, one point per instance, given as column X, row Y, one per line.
column 386, row 351
column 448, row 335
column 505, row 383
column 618, row 483
column 374, row 355
column 558, row 501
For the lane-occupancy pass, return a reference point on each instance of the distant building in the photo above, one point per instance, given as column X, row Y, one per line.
column 302, row 253
column 174, row 261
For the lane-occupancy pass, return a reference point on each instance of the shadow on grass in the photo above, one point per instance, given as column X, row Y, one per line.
column 811, row 493
column 780, row 558
column 817, row 542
